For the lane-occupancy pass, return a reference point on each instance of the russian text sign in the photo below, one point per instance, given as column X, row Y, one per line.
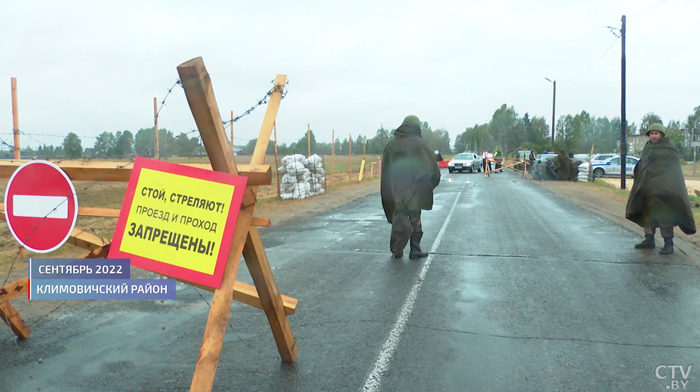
column 178, row 220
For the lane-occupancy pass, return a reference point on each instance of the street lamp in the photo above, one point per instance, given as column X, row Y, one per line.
column 554, row 102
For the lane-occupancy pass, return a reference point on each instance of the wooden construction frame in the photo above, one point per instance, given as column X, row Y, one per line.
column 264, row 294
column 505, row 165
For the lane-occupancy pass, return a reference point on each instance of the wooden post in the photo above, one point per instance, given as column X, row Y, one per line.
column 155, row 117
column 277, row 165
column 308, row 138
column 364, row 155
column 333, row 158
column 362, row 171
column 232, row 149
column 350, row 158
column 200, row 96
column 590, row 165
column 15, row 118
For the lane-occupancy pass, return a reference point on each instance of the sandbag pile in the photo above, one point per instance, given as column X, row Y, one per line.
column 302, row 177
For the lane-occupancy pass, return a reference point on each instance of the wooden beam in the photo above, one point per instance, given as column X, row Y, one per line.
column 247, row 294
column 9, row 315
column 14, row 289
column 273, row 107
column 98, row 253
column 80, row 238
column 86, row 240
column 200, row 97
column 111, row 171
column 264, row 222
column 270, row 298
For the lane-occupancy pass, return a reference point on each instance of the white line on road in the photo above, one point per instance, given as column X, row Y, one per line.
column 381, row 365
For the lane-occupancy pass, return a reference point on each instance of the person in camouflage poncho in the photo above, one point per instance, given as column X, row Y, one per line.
column 410, row 173
column 659, row 197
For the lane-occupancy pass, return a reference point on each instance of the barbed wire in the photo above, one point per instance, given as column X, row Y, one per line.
column 275, row 89
column 170, row 90
column 94, row 183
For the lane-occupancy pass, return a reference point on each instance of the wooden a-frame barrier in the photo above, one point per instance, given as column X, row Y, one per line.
column 505, row 164
column 247, row 242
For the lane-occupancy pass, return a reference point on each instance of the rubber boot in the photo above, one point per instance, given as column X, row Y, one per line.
column 648, row 243
column 668, row 246
column 416, row 253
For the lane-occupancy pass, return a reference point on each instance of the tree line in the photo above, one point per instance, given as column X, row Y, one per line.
column 507, row 131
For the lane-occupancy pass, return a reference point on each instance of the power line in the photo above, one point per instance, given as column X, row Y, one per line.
column 594, row 64
column 639, row 13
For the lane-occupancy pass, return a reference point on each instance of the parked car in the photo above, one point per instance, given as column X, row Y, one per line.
column 602, row 157
column 465, row 161
column 613, row 166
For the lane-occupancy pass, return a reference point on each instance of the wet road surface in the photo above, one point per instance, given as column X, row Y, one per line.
column 523, row 291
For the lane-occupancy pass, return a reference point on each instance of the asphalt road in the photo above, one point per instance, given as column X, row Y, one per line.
column 523, row 291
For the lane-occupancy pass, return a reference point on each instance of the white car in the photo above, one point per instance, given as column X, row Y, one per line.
column 613, row 167
column 465, row 161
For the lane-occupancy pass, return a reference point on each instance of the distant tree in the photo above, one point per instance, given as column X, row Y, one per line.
column 647, row 120
column 104, row 145
column 72, row 146
column 124, row 145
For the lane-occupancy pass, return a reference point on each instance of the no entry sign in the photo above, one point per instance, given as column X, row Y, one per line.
column 41, row 206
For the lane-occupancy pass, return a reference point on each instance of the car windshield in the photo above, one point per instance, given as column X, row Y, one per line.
column 464, row 156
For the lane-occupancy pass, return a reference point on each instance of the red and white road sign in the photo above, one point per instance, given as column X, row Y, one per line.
column 41, row 206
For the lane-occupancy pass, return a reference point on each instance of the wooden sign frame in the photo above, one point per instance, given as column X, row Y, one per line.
column 246, row 240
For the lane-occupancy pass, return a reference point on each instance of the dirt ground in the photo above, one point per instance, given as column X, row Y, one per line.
column 611, row 206
column 692, row 184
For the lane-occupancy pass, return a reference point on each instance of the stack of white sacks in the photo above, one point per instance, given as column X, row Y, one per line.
column 302, row 177
column 583, row 172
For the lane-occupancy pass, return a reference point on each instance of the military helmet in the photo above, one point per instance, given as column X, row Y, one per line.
column 656, row 127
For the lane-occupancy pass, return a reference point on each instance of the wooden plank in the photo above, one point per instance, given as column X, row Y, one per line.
column 86, row 211
column 9, row 315
column 362, row 171
column 14, row 289
column 110, row 171
column 98, row 253
column 273, row 106
column 86, row 240
column 270, row 298
column 247, row 294
column 264, row 222
column 200, row 97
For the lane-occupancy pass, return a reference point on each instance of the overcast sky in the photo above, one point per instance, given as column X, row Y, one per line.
column 94, row 66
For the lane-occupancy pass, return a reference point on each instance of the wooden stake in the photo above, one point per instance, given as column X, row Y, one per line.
column 308, row 138
column 590, row 165
column 362, row 171
column 15, row 117
column 9, row 315
column 350, row 159
column 200, row 96
column 364, row 155
column 155, row 117
column 277, row 165
column 333, row 159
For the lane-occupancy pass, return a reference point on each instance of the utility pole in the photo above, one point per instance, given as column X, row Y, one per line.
column 15, row 117
column 554, row 105
column 623, row 116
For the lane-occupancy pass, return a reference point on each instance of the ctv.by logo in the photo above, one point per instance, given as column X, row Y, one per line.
column 662, row 373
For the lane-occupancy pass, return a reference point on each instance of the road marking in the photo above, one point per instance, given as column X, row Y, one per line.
column 381, row 365
column 31, row 206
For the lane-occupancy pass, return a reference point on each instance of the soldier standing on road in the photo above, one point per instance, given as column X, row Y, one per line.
column 659, row 197
column 410, row 173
